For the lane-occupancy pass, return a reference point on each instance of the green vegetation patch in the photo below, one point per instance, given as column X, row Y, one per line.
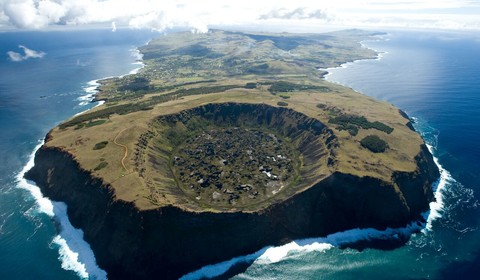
column 89, row 124
column 352, row 123
column 374, row 144
column 283, row 86
column 258, row 69
column 100, row 145
column 281, row 103
column 101, row 165
column 94, row 123
column 140, row 106
column 322, row 106
column 204, row 90
column 126, row 89
column 105, row 113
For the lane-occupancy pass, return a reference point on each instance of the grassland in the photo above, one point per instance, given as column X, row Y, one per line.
column 116, row 141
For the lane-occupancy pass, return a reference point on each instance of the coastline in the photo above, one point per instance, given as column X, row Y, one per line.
column 92, row 86
column 139, row 61
column 438, row 188
column 272, row 254
column 74, row 253
column 275, row 254
column 379, row 55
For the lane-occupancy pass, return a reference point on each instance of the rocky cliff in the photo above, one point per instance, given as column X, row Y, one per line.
column 161, row 185
column 169, row 242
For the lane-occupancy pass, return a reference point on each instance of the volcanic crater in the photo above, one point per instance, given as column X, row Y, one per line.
column 237, row 156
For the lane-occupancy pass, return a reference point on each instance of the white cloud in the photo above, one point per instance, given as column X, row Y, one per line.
column 198, row 15
column 297, row 13
column 27, row 54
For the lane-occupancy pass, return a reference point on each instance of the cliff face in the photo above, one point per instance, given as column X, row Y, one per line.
column 169, row 242
column 152, row 214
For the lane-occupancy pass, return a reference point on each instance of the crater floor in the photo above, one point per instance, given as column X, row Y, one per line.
column 235, row 165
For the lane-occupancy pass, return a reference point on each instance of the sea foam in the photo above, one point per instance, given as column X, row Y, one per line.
column 74, row 253
column 275, row 254
column 272, row 254
column 44, row 204
column 91, row 88
column 437, row 206
column 138, row 57
column 379, row 55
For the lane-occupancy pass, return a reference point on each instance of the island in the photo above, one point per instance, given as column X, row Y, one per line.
column 227, row 142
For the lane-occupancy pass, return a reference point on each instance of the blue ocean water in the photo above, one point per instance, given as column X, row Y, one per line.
column 434, row 77
column 35, row 95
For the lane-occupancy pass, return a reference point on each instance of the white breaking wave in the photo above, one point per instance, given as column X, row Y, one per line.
column 437, row 206
column 138, row 57
column 275, row 254
column 91, row 90
column 270, row 255
column 214, row 270
column 380, row 55
column 92, row 86
column 74, row 253
column 430, row 135
column 69, row 258
column 43, row 203
column 136, row 70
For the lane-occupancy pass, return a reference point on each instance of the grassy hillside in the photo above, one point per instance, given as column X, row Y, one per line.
column 123, row 143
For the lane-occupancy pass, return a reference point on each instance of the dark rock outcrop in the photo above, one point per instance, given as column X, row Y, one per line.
column 169, row 242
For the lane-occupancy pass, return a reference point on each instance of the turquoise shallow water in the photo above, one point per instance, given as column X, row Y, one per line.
column 434, row 77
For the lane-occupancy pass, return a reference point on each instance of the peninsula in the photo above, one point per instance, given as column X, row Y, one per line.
column 226, row 142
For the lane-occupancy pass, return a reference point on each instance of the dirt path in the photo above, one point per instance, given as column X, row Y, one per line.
column 125, row 147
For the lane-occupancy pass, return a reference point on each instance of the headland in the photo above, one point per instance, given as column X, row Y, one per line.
column 226, row 142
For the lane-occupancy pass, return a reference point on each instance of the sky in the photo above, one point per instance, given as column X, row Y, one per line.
column 200, row 15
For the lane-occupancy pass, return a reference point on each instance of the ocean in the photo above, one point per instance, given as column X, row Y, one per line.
column 36, row 240
column 433, row 76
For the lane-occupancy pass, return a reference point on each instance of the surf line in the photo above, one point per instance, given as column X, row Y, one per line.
column 75, row 254
column 271, row 254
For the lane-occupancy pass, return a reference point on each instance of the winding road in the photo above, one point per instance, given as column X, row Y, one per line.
column 124, row 146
